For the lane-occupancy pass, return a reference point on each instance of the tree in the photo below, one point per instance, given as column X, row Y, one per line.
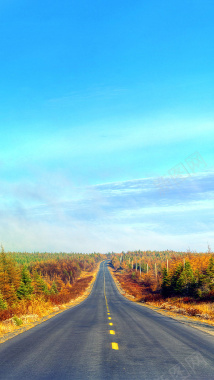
column 25, row 289
column 186, row 281
column 176, row 286
column 166, row 283
column 54, row 289
column 207, row 279
column 3, row 303
column 210, row 270
column 39, row 284
column 9, row 278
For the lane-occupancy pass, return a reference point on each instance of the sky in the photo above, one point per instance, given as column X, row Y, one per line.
column 106, row 125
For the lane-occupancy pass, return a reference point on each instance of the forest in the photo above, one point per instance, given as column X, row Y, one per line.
column 32, row 283
column 182, row 279
column 35, row 281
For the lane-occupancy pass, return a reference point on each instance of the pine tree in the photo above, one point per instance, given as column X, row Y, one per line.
column 186, row 281
column 175, row 284
column 25, row 289
column 54, row 289
column 39, row 283
column 210, row 270
column 3, row 303
column 166, row 283
column 7, row 287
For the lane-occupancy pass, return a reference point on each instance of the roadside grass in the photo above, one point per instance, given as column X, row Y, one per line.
column 202, row 310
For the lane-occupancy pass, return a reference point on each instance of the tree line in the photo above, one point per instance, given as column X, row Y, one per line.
column 170, row 273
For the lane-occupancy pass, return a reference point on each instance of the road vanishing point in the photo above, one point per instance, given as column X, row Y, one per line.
column 108, row 337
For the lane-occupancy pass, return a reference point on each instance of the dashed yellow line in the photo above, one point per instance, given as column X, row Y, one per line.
column 114, row 345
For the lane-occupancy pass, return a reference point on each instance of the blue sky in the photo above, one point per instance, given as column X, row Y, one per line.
column 107, row 125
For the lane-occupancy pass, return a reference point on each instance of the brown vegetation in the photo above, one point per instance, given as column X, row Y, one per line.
column 35, row 285
column 179, row 282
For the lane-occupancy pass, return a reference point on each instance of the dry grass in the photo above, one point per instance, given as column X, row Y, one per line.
column 203, row 310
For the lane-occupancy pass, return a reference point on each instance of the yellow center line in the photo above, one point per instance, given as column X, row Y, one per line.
column 114, row 346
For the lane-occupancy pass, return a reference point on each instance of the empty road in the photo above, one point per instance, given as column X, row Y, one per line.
column 108, row 337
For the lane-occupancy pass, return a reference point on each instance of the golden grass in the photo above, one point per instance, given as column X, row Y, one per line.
column 202, row 310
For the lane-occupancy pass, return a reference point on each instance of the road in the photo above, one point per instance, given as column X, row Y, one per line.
column 108, row 337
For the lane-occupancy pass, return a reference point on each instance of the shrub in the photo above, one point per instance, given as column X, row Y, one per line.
column 17, row 321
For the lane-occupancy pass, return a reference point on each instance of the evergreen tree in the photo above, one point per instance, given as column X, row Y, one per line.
column 210, row 271
column 166, row 283
column 175, row 284
column 3, row 303
column 25, row 289
column 40, row 285
column 54, row 289
column 7, row 287
column 186, row 281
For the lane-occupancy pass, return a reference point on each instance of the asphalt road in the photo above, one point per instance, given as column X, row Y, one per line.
column 77, row 344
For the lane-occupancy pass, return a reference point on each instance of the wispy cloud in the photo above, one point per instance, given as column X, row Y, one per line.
column 120, row 206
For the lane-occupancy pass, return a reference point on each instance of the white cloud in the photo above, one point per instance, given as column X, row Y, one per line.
column 55, row 216
column 89, row 237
